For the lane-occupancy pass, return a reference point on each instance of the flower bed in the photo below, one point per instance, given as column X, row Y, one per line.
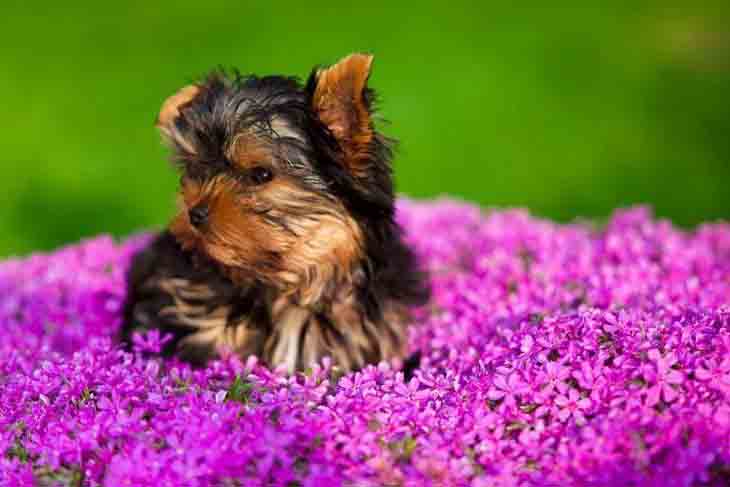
column 552, row 355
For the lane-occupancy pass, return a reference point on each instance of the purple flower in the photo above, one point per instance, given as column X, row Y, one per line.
column 534, row 328
column 553, row 377
column 663, row 377
column 150, row 341
column 572, row 405
column 508, row 388
column 716, row 374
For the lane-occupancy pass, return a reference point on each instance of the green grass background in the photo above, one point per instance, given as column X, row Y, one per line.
column 567, row 111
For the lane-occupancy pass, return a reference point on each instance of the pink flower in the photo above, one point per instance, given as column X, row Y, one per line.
column 717, row 374
column 663, row 376
column 591, row 378
column 554, row 377
column 508, row 388
column 572, row 405
column 150, row 342
column 75, row 406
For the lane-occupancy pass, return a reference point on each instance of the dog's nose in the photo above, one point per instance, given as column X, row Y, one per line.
column 198, row 215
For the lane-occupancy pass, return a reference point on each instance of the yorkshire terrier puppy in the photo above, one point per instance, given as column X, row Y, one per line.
column 285, row 244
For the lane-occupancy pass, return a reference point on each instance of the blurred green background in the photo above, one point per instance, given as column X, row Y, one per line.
column 567, row 111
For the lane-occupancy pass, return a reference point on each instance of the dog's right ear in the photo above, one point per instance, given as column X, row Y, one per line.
column 169, row 122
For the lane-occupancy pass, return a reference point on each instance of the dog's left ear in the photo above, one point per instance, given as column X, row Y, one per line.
column 341, row 99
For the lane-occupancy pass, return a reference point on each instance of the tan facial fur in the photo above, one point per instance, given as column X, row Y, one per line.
column 279, row 233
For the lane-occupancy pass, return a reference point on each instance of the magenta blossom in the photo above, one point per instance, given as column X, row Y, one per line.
column 552, row 355
column 572, row 405
column 664, row 379
column 509, row 388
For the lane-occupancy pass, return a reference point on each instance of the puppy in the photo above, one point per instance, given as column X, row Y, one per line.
column 285, row 245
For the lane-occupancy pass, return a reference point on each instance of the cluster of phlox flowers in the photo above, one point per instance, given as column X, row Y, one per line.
column 551, row 355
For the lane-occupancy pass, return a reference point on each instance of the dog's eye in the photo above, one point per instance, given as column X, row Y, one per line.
column 260, row 175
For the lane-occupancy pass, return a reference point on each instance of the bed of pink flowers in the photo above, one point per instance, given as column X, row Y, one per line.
column 552, row 355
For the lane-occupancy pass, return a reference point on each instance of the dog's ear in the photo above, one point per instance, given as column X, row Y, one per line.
column 168, row 120
column 341, row 99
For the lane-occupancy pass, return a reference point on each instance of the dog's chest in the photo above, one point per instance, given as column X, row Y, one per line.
column 280, row 330
column 290, row 323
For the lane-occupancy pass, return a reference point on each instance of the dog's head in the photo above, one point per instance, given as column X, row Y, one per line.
column 280, row 181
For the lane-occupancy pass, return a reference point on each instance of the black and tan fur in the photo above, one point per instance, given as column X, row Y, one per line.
column 285, row 244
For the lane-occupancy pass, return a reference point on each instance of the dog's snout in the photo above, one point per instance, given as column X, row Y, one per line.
column 198, row 215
